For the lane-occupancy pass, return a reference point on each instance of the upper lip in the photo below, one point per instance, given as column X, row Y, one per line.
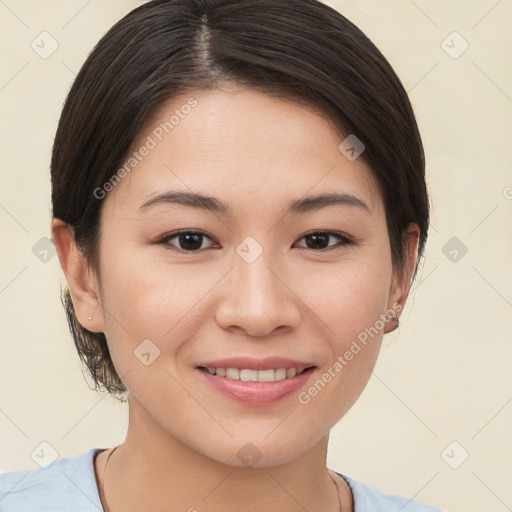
column 256, row 364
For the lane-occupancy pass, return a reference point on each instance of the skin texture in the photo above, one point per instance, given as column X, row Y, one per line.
column 255, row 153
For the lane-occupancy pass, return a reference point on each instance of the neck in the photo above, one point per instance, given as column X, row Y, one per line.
column 152, row 470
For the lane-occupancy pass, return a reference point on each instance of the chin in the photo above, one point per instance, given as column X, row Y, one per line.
column 267, row 452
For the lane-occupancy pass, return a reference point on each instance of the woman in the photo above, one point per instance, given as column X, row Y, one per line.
column 239, row 208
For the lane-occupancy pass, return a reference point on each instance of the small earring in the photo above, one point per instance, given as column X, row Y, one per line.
column 89, row 317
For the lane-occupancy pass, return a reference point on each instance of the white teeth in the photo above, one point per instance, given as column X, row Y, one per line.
column 265, row 375
column 233, row 373
column 280, row 374
column 247, row 375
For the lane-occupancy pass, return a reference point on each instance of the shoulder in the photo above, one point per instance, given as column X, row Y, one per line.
column 369, row 499
column 65, row 484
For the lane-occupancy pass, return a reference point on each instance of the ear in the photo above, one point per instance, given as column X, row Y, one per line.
column 82, row 280
column 401, row 282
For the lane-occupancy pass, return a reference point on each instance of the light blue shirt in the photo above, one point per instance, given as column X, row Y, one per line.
column 69, row 485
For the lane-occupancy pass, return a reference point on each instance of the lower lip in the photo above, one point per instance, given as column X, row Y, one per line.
column 257, row 393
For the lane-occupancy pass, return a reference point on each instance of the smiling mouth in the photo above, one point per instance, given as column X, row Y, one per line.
column 248, row 375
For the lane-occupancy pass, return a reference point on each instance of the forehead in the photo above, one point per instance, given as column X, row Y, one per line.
column 237, row 141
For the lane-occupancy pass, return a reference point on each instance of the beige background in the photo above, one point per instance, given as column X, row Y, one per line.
column 445, row 376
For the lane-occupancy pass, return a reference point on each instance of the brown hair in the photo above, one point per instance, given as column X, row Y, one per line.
column 298, row 49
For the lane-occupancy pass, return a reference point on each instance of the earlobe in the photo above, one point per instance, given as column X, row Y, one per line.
column 402, row 282
column 82, row 282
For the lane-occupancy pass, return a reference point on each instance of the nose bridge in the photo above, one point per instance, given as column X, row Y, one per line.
column 256, row 280
column 256, row 299
column 251, row 267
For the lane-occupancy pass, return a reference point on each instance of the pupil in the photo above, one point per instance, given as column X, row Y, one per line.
column 190, row 242
column 319, row 241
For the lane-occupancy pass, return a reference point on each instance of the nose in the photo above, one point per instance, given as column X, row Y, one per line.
column 257, row 299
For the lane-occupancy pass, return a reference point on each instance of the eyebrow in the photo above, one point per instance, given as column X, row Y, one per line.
column 307, row 204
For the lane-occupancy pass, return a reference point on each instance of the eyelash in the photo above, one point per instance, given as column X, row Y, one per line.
column 345, row 240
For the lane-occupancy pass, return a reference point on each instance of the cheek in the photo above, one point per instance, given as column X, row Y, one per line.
column 348, row 298
column 352, row 341
column 152, row 300
column 348, row 303
column 345, row 303
column 149, row 295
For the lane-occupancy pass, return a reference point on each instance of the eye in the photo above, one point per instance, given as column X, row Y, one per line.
column 188, row 241
column 196, row 241
column 321, row 240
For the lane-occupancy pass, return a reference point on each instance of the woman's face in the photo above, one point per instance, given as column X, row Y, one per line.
column 258, row 280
